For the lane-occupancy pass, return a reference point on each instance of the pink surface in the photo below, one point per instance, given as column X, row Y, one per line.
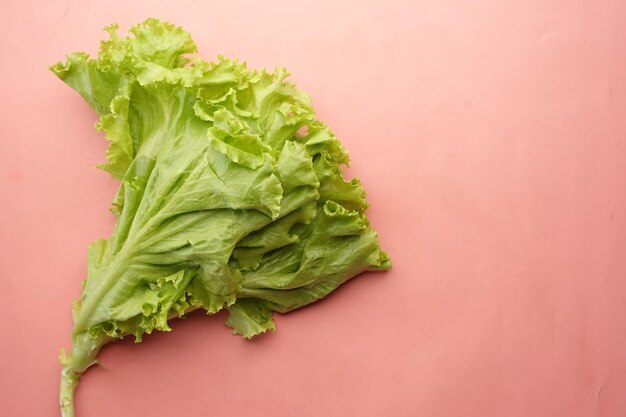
column 490, row 136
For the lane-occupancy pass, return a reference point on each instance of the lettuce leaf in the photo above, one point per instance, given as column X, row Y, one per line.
column 231, row 195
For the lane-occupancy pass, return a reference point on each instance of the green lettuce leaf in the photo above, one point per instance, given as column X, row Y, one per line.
column 231, row 195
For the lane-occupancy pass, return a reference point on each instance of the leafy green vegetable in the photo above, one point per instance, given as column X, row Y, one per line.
column 231, row 195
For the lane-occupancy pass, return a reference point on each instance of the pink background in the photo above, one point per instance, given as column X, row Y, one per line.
column 490, row 136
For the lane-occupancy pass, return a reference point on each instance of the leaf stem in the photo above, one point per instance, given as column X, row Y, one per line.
column 69, row 381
